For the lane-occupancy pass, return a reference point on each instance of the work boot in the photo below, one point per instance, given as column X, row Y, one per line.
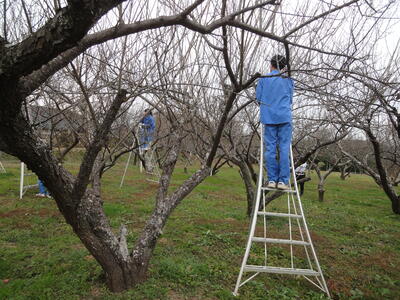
column 271, row 185
column 282, row 186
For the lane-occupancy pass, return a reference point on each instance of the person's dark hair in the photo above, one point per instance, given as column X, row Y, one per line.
column 278, row 62
column 148, row 111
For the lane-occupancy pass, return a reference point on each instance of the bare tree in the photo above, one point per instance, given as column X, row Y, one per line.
column 40, row 47
column 330, row 159
column 373, row 109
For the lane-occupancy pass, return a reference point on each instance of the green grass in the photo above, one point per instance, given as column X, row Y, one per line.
column 356, row 236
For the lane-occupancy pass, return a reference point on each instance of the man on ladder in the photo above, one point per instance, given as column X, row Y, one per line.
column 274, row 94
column 146, row 131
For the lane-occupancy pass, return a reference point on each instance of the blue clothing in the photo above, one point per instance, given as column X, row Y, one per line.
column 274, row 135
column 149, row 123
column 275, row 96
column 146, row 132
column 42, row 188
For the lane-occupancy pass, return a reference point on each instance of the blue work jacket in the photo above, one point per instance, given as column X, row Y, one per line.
column 149, row 123
column 275, row 95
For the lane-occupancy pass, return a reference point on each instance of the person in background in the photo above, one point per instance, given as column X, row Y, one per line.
column 274, row 93
column 42, row 190
column 300, row 174
column 147, row 128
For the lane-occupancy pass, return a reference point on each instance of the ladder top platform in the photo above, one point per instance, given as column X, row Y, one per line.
column 277, row 190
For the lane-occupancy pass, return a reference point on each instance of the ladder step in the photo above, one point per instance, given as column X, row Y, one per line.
column 277, row 270
column 273, row 214
column 30, row 186
column 278, row 190
column 279, row 241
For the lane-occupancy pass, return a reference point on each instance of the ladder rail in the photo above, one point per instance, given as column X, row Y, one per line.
column 22, row 187
column 265, row 231
column 301, row 231
column 254, row 215
column 127, row 164
column 306, row 226
column 290, row 229
column 21, row 181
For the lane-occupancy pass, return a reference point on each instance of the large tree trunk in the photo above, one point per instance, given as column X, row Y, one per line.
column 383, row 176
column 84, row 212
column 344, row 173
column 248, row 183
column 396, row 204
column 321, row 192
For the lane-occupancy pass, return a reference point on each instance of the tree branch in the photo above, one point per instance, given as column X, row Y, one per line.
column 59, row 34
column 94, row 148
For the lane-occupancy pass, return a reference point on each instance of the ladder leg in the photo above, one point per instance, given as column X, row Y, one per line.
column 2, row 169
column 325, row 287
column 298, row 214
column 290, row 229
column 265, row 231
column 254, row 217
column 126, row 166
column 21, row 181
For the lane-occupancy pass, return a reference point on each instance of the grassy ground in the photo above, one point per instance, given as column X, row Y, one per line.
column 356, row 236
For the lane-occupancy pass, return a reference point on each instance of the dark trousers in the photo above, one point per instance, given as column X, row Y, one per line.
column 301, row 185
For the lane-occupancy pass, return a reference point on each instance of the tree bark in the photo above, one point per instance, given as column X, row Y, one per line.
column 384, row 180
column 248, row 183
column 344, row 173
column 321, row 192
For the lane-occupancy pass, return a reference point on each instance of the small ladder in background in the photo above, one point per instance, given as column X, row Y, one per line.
column 2, row 169
column 151, row 165
column 148, row 156
column 298, row 235
column 22, row 187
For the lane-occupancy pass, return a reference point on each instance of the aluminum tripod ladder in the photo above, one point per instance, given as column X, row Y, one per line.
column 147, row 154
column 22, row 187
column 299, row 236
column 151, row 166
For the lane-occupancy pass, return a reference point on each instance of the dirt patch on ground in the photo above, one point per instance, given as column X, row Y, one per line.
column 22, row 212
column 385, row 260
column 230, row 222
column 151, row 188
column 165, row 241
column 175, row 296
column 20, row 217
column 225, row 196
column 44, row 212
column 16, row 213
column 89, row 257
column 96, row 293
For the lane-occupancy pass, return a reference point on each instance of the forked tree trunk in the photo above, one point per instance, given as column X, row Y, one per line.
column 344, row 173
column 80, row 206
